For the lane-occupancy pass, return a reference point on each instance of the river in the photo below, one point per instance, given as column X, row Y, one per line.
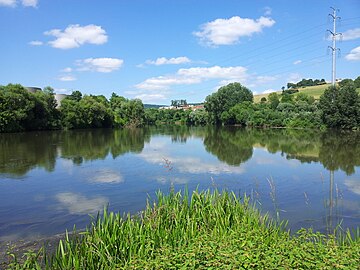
column 50, row 181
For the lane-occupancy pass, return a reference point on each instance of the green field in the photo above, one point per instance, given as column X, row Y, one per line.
column 315, row 91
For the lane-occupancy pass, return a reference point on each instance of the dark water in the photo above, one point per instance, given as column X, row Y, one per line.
column 50, row 181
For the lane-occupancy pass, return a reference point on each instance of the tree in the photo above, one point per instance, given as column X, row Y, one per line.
column 346, row 81
column 357, row 82
column 340, row 107
column 274, row 100
column 225, row 98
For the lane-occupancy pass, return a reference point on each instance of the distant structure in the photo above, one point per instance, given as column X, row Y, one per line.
column 33, row 89
column 333, row 48
column 59, row 98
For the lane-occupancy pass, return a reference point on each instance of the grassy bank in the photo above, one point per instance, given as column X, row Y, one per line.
column 206, row 230
column 314, row 91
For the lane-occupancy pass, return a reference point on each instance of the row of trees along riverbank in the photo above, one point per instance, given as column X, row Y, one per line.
column 338, row 107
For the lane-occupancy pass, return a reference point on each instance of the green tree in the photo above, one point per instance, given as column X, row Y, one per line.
column 357, row 82
column 225, row 98
column 274, row 100
column 340, row 107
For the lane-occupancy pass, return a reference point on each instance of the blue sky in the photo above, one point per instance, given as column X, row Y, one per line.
column 162, row 50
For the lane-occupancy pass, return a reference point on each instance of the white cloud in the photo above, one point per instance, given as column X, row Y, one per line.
column 297, row 62
column 354, row 55
column 169, row 61
column 229, row 31
column 104, row 65
column 75, row 35
column 164, row 82
column 351, row 34
column 8, row 3
column 150, row 97
column 36, row 43
column 66, row 70
column 13, row 3
column 78, row 204
column 29, row 3
column 194, row 75
column 267, row 11
column 67, row 78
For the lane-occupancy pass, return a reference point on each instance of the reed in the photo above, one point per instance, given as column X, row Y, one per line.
column 204, row 230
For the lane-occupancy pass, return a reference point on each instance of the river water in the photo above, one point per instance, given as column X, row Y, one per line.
column 50, row 181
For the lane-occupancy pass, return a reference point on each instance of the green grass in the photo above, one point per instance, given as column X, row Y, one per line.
column 204, row 230
column 315, row 91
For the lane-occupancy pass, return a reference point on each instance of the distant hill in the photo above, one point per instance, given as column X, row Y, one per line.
column 149, row 106
column 315, row 91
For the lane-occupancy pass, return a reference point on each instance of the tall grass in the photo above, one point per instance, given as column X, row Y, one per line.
column 204, row 230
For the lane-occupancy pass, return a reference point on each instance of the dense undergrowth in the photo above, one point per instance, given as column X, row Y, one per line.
column 204, row 230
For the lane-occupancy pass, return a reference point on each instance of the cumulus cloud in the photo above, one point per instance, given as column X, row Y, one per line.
column 29, row 3
column 78, row 204
column 168, row 61
column 354, row 54
column 229, row 31
column 75, row 35
column 193, row 76
column 150, row 97
column 67, row 78
column 104, row 65
column 8, row 3
column 36, row 43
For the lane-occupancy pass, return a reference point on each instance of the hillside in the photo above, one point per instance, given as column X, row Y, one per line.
column 315, row 91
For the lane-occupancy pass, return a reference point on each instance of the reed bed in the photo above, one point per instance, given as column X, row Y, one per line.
column 204, row 230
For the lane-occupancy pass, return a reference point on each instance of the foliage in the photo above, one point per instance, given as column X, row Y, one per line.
column 305, row 83
column 341, row 107
column 127, row 112
column 225, row 98
column 21, row 110
column 357, row 82
column 207, row 230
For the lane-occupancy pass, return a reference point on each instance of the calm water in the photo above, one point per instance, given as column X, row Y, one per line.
column 50, row 181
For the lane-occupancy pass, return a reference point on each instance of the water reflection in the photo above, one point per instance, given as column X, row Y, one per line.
column 20, row 153
column 70, row 174
column 78, row 204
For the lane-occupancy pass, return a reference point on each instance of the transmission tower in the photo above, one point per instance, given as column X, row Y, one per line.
column 333, row 47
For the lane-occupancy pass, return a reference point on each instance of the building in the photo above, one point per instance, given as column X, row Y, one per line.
column 59, row 98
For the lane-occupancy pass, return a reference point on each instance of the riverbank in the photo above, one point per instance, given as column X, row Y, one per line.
column 199, row 231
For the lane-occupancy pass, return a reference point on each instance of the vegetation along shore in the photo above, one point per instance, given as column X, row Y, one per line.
column 202, row 230
column 306, row 104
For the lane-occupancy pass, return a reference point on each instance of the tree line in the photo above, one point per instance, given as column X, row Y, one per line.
column 338, row 107
column 21, row 110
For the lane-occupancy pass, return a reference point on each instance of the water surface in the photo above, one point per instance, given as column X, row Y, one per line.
column 50, row 181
